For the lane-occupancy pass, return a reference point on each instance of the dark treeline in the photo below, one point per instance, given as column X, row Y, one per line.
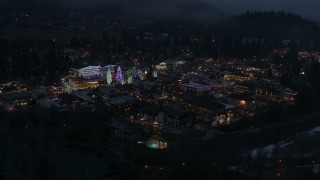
column 22, row 59
column 270, row 24
column 35, row 144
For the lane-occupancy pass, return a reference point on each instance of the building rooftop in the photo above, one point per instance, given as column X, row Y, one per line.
column 289, row 91
column 151, row 110
column 245, row 97
column 15, row 96
column 205, row 102
column 124, row 127
column 67, row 99
column 196, row 85
column 121, row 100
column 174, row 113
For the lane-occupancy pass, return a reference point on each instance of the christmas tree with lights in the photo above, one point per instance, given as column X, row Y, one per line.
column 109, row 77
column 155, row 74
column 130, row 73
column 119, row 75
column 69, row 86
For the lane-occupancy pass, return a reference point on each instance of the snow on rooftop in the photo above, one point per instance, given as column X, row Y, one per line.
column 196, row 85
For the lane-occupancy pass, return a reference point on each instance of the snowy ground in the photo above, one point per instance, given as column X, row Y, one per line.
column 311, row 132
column 268, row 150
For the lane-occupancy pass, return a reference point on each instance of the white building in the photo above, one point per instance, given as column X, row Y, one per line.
column 90, row 72
column 161, row 66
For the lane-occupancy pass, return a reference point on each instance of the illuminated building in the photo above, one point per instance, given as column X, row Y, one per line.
column 93, row 72
column 209, row 110
column 289, row 96
column 83, row 85
column 271, row 93
column 90, row 72
column 15, row 100
column 173, row 64
column 244, row 87
column 54, row 91
column 239, row 77
column 242, row 101
column 153, row 121
column 194, row 77
column 162, row 66
column 196, row 87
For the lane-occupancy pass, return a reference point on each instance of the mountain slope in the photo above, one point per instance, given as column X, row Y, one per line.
column 177, row 9
column 194, row 10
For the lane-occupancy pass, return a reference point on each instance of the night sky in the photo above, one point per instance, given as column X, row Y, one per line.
column 307, row 8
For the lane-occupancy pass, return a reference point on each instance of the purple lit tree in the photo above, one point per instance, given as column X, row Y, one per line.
column 119, row 75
